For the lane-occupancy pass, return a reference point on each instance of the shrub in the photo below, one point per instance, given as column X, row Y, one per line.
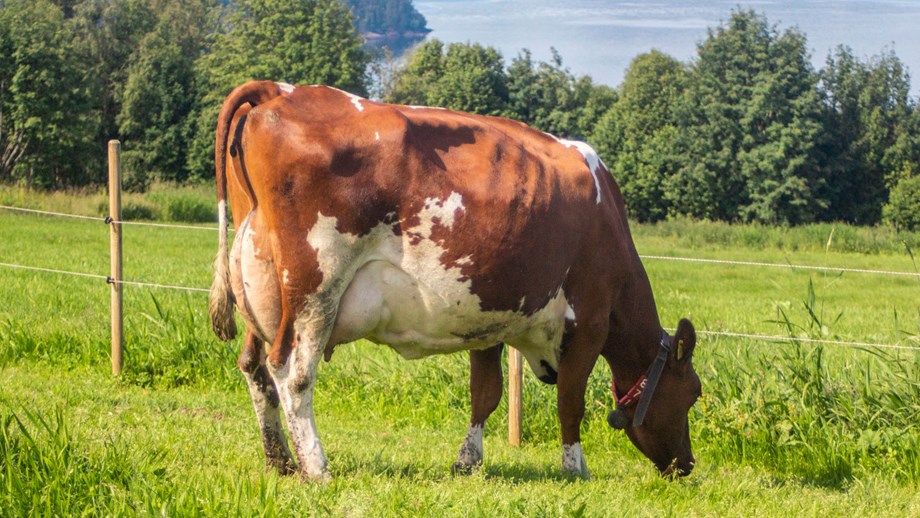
column 188, row 208
column 180, row 204
column 133, row 211
column 903, row 208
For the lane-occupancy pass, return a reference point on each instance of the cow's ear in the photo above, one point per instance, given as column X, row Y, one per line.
column 683, row 343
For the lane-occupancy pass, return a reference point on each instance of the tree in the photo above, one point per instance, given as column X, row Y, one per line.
column 749, row 124
column 414, row 81
column 297, row 41
column 637, row 137
column 158, row 95
column 473, row 80
column 44, row 105
column 106, row 34
column 549, row 97
column 903, row 208
column 467, row 77
column 869, row 117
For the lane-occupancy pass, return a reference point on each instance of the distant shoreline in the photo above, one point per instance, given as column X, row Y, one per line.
column 394, row 35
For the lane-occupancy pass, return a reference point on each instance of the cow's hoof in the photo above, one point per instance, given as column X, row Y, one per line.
column 284, row 467
column 578, row 474
column 459, row 468
column 319, row 476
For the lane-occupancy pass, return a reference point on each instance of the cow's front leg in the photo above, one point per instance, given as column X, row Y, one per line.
column 295, row 376
column 575, row 366
column 265, row 400
column 485, row 394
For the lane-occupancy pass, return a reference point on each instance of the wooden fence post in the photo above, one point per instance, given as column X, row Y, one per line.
column 515, row 402
column 115, row 251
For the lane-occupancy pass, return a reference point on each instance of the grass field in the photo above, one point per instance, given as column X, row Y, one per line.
column 782, row 429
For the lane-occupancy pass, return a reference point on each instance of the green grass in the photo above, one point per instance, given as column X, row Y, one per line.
column 782, row 428
column 162, row 201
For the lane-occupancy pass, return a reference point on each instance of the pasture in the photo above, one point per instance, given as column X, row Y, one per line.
column 782, row 428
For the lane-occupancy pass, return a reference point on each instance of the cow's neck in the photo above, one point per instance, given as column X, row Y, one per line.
column 635, row 330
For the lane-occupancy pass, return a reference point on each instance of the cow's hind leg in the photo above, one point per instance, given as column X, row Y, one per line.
column 293, row 361
column 485, row 394
column 265, row 400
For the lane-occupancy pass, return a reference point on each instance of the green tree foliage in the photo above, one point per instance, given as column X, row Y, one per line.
column 297, row 41
column 473, row 78
column 383, row 16
column 159, row 94
column 549, row 97
column 748, row 131
column 750, row 123
column 903, row 208
column 637, row 137
column 873, row 135
column 466, row 77
column 106, row 34
column 75, row 73
column 44, row 112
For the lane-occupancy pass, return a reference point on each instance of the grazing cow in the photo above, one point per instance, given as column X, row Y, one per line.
column 434, row 231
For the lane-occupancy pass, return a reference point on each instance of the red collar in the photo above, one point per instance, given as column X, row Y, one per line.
column 642, row 391
column 632, row 395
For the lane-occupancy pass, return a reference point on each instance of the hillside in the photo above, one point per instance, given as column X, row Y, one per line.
column 387, row 18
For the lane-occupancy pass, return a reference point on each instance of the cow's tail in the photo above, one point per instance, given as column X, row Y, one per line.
column 221, row 298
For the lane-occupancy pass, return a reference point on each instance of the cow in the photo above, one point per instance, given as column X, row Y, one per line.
column 434, row 231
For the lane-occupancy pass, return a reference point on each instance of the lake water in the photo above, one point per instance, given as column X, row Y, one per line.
column 599, row 38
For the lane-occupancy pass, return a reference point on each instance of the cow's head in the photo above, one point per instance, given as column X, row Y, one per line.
column 664, row 435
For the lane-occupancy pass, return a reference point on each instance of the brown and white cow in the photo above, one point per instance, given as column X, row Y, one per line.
column 434, row 231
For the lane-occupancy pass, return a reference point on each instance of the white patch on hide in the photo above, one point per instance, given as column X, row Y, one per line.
column 444, row 210
column 376, row 135
column 573, row 460
column 285, row 87
column 222, row 214
column 397, row 291
column 269, row 418
column 471, row 450
column 355, row 100
column 250, row 236
column 284, row 276
column 298, row 408
column 569, row 312
column 463, row 261
column 591, row 158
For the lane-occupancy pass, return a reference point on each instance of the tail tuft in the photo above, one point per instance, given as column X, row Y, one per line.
column 221, row 300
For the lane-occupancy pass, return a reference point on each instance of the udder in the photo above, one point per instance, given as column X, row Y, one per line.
column 419, row 313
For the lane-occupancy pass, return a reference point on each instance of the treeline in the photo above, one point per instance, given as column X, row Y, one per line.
column 747, row 131
column 75, row 73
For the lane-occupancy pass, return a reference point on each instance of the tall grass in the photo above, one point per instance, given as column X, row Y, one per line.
column 790, row 411
column 45, row 471
column 163, row 201
column 818, row 237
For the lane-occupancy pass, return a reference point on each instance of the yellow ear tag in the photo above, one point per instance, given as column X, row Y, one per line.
column 680, row 349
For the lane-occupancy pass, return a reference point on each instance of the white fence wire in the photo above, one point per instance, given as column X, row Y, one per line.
column 730, row 334
column 780, row 265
